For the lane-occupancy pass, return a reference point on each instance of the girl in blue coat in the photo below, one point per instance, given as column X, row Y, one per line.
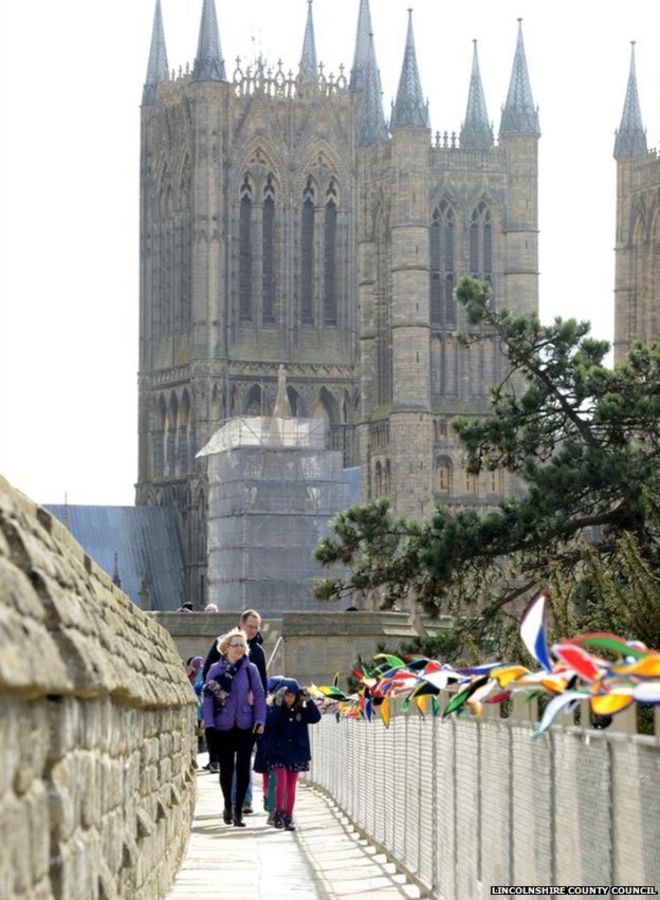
column 234, row 708
column 287, row 744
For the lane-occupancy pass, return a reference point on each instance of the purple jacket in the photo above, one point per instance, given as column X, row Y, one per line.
column 236, row 711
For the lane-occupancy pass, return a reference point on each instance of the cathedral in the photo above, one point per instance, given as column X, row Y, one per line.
column 285, row 221
column 637, row 273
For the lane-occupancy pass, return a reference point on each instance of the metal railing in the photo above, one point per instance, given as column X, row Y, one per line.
column 462, row 805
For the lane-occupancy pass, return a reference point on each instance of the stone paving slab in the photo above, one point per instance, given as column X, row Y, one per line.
column 324, row 858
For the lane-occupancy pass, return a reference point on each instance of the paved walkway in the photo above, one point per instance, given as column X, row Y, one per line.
column 323, row 858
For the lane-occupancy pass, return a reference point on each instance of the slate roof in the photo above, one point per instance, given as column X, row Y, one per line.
column 146, row 540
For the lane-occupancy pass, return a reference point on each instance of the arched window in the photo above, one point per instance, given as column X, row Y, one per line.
column 254, row 402
column 443, row 304
column 378, row 480
column 481, row 243
column 268, row 242
column 330, row 267
column 387, row 479
column 471, row 483
column 442, row 475
column 307, row 256
column 245, row 253
column 497, row 481
column 170, row 441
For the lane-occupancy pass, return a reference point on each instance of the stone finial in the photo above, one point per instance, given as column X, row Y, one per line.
column 115, row 572
column 209, row 64
column 146, row 593
column 282, row 409
column 519, row 115
column 157, row 68
column 362, row 48
column 631, row 137
column 409, row 110
column 308, row 64
column 476, row 133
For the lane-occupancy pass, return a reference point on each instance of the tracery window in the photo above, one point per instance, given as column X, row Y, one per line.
column 307, row 255
column 471, row 483
column 481, row 243
column 442, row 475
column 268, row 254
column 442, row 233
column 245, row 253
column 330, row 267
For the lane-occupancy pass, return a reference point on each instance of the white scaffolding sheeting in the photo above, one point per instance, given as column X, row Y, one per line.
column 273, row 488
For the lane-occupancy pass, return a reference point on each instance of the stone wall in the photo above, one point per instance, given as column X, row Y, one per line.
column 314, row 645
column 96, row 725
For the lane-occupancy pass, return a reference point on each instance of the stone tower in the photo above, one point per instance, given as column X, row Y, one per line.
column 637, row 275
column 284, row 222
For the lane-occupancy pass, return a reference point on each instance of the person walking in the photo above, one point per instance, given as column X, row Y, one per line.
column 234, row 711
column 286, row 744
column 250, row 622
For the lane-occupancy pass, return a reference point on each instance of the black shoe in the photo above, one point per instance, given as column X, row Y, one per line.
column 214, row 768
column 227, row 815
column 238, row 819
column 278, row 821
column 288, row 824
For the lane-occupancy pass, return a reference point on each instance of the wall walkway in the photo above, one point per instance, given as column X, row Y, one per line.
column 323, row 858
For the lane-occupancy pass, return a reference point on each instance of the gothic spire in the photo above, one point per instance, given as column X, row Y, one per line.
column 371, row 128
column 308, row 65
column 476, row 133
column 157, row 68
column 410, row 110
column 631, row 137
column 362, row 42
column 519, row 115
column 209, row 64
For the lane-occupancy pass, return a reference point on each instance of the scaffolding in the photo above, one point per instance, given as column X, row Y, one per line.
column 273, row 489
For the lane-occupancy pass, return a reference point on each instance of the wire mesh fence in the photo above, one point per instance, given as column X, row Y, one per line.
column 466, row 805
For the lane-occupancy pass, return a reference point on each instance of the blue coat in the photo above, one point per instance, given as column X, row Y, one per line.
column 286, row 740
column 236, row 711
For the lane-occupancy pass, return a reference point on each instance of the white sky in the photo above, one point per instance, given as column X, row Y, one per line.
column 71, row 80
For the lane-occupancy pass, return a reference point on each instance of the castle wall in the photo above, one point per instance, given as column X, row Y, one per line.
column 314, row 645
column 96, row 725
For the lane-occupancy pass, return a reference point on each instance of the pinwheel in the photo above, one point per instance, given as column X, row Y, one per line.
column 571, row 671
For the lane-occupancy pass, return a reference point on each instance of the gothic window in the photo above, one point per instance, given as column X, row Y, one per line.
column 443, row 304
column 253, row 404
column 497, row 481
column 378, row 480
column 330, row 268
column 245, row 253
column 307, row 254
column 170, row 437
column 481, row 243
column 442, row 475
column 387, row 479
column 268, row 241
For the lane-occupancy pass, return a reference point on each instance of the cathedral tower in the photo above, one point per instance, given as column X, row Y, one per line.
column 284, row 222
column 637, row 247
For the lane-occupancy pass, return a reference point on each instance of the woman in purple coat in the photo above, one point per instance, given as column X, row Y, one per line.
column 234, row 709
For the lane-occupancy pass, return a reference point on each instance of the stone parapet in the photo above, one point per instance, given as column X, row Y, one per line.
column 313, row 646
column 96, row 725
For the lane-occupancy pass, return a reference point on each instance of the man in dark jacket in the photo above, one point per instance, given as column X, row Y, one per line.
column 249, row 622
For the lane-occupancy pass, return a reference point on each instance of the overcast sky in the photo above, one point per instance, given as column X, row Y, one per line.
column 71, row 81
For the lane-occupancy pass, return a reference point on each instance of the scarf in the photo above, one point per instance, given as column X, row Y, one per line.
column 220, row 687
